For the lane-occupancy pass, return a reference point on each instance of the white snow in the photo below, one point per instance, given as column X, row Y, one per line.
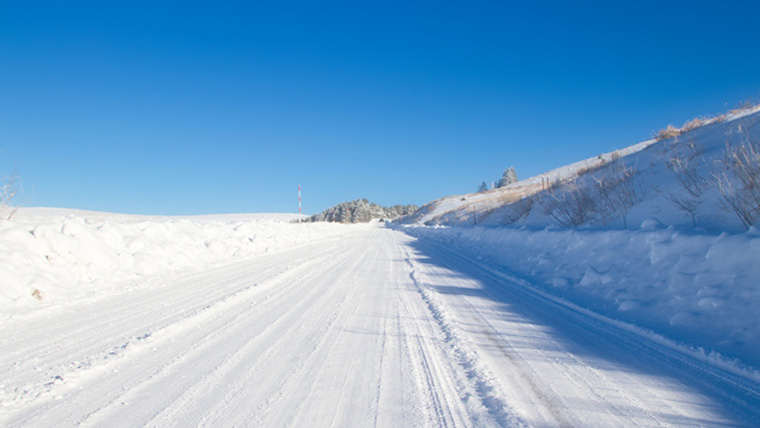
column 700, row 289
column 50, row 255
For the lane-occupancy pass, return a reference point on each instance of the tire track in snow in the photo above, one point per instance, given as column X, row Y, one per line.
column 432, row 375
column 309, row 336
column 222, row 344
column 346, row 367
column 479, row 377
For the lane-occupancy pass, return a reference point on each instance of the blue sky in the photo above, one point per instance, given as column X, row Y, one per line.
column 195, row 108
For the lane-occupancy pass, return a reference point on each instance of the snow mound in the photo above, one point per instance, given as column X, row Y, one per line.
column 51, row 255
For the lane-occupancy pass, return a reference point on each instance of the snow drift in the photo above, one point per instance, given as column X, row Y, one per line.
column 49, row 255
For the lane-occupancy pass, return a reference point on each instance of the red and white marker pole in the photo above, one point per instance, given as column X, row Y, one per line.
column 299, row 199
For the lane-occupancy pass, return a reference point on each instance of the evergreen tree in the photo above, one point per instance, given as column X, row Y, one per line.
column 509, row 177
column 483, row 187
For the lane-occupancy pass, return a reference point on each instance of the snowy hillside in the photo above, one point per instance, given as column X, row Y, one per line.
column 670, row 180
column 50, row 255
column 642, row 235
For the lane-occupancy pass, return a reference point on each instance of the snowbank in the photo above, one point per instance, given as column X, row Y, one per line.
column 49, row 255
column 694, row 287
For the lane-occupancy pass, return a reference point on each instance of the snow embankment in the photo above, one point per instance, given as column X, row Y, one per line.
column 49, row 255
column 697, row 288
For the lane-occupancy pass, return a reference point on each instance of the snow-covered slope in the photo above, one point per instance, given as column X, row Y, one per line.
column 480, row 208
column 655, row 180
column 50, row 255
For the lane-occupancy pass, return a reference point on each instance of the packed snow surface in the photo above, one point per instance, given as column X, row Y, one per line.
column 356, row 325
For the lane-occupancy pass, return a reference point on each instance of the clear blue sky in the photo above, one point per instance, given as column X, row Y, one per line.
column 187, row 108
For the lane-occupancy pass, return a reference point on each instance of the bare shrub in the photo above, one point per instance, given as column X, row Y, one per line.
column 688, row 204
column 8, row 190
column 517, row 210
column 618, row 192
column 607, row 195
column 684, row 161
column 737, row 178
column 587, row 169
column 571, row 205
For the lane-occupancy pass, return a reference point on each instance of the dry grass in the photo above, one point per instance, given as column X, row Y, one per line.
column 671, row 131
column 693, row 124
column 745, row 105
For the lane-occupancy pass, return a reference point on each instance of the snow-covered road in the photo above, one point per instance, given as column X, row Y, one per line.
column 373, row 329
